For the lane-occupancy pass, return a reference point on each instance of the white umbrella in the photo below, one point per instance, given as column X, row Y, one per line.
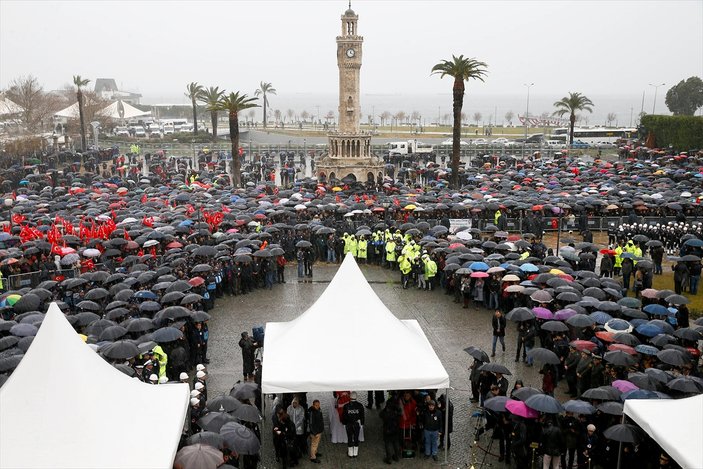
column 90, row 252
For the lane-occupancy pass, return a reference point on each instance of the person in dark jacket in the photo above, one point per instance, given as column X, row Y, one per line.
column 680, row 276
column 474, row 377
column 432, row 426
column 552, row 444
column 316, row 426
column 519, row 442
column 442, row 406
column 248, row 347
column 390, row 418
column 499, row 323
column 353, row 419
column 284, row 439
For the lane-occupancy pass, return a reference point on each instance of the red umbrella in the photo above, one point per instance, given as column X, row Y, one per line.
column 479, row 275
column 174, row 245
column 622, row 348
column 605, row 336
column 196, row 281
column 582, row 345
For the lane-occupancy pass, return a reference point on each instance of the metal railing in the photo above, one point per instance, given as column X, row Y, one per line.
column 32, row 279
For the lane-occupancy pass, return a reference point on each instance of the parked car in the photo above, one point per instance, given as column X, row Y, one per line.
column 479, row 141
column 139, row 132
column 500, row 141
column 579, row 144
column 121, row 132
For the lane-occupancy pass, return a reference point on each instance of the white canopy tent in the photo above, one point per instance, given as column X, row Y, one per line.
column 675, row 424
column 8, row 108
column 65, row 407
column 349, row 340
column 112, row 111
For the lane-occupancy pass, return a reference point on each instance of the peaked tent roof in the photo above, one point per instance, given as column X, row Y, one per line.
column 112, row 111
column 348, row 339
column 8, row 107
column 675, row 424
column 65, row 407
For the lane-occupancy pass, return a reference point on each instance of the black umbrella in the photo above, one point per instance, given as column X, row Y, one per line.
column 544, row 355
column 247, row 413
column 554, row 326
column 200, row 316
column 624, row 433
column 23, row 330
column 477, row 353
column 495, row 368
column 687, row 384
column 191, row 298
column 172, row 297
column 239, row 438
column 601, row 393
column 179, row 285
column 496, row 404
column 28, row 302
column 200, row 268
column 10, row 362
column 525, row 392
column 611, row 407
column 112, row 333
column 544, row 403
column 96, row 294
column 579, row 407
column 173, row 312
column 619, row 358
column 520, row 314
column 223, row 404
column 303, row 244
column 150, row 306
column 244, row 391
column 89, row 305
column 672, row 357
column 207, row 438
column 213, row 421
column 166, row 334
column 580, row 321
column 120, row 350
column 85, row 318
column 140, row 325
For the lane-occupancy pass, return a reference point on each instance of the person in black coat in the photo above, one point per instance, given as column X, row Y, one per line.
column 316, row 426
column 353, row 419
column 284, row 439
column 248, row 347
column 390, row 418
column 499, row 323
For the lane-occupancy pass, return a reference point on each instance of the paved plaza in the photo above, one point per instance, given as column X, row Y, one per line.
column 448, row 326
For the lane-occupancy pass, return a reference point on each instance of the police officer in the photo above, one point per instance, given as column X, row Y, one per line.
column 353, row 419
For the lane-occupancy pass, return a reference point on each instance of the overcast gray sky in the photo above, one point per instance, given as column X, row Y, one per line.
column 157, row 47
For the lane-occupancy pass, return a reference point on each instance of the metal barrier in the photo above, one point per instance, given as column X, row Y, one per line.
column 32, row 279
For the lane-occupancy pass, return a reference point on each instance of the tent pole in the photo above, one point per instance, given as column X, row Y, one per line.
column 620, row 445
column 446, row 427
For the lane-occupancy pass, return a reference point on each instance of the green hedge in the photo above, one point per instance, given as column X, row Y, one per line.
column 682, row 132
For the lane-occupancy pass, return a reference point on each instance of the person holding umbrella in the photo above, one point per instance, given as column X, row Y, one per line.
column 498, row 322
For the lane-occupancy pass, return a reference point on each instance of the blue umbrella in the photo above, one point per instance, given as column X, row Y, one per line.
column 649, row 330
column 656, row 309
column 639, row 394
column 617, row 325
column 146, row 295
column 638, row 322
column 646, row 349
column 600, row 317
column 529, row 267
column 479, row 266
column 694, row 242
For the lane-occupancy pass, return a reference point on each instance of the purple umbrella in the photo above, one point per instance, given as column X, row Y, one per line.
column 624, row 386
column 543, row 313
column 564, row 314
column 521, row 410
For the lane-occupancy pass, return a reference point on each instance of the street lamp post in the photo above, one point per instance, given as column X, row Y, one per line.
column 656, row 87
column 527, row 107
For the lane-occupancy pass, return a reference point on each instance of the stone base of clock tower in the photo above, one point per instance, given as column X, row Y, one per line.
column 349, row 155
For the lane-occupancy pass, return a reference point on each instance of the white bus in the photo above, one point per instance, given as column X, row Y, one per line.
column 595, row 136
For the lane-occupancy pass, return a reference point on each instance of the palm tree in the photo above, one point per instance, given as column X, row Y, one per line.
column 570, row 105
column 264, row 90
column 78, row 81
column 233, row 103
column 193, row 92
column 461, row 69
column 211, row 97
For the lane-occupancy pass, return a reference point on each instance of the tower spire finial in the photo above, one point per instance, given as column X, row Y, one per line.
column 350, row 4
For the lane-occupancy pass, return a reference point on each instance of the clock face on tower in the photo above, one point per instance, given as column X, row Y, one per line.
column 350, row 53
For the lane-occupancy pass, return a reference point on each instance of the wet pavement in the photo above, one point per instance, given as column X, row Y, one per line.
column 448, row 327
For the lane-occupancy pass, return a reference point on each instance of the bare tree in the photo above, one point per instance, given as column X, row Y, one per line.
column 251, row 113
column 445, row 117
column 290, row 114
column 37, row 107
column 385, row 115
column 509, row 117
column 329, row 117
column 477, row 117
column 304, row 115
column 277, row 115
column 400, row 117
column 415, row 117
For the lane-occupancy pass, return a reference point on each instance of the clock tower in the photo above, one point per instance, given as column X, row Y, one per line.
column 349, row 151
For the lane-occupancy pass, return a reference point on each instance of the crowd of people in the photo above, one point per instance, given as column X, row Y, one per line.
column 138, row 255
